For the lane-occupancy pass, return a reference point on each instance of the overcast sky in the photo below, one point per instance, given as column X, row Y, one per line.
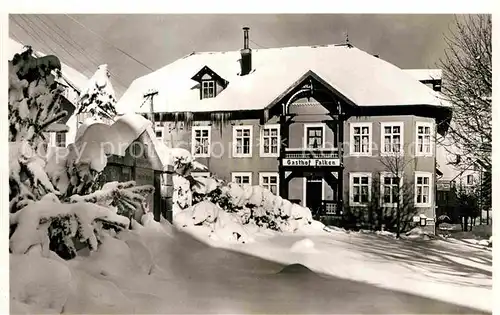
column 84, row 41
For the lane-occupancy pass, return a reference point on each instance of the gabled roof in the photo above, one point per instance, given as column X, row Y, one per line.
column 206, row 70
column 363, row 79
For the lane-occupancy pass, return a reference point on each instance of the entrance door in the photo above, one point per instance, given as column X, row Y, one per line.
column 314, row 192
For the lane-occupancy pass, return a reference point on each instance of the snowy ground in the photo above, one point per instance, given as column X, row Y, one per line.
column 449, row 270
column 166, row 271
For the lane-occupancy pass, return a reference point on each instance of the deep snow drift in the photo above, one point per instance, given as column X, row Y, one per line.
column 443, row 269
column 157, row 269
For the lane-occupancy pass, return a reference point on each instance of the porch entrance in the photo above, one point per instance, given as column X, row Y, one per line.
column 314, row 192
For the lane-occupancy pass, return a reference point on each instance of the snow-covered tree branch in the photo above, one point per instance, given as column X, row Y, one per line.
column 33, row 222
column 126, row 197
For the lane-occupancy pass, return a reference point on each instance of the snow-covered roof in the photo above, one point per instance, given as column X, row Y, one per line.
column 127, row 129
column 116, row 138
column 425, row 74
column 75, row 77
column 362, row 78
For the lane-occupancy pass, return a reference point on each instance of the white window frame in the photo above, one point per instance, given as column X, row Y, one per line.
column 382, row 176
column 193, row 142
column 370, row 138
column 241, row 174
column 269, row 174
column 383, row 125
column 314, row 125
column 431, row 140
column 304, row 193
column 351, row 188
column 269, row 126
column 429, row 201
column 467, row 180
column 242, row 155
column 207, row 82
column 65, row 137
column 159, row 127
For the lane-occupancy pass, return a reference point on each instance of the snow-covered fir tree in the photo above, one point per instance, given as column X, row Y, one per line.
column 98, row 97
column 53, row 204
column 33, row 107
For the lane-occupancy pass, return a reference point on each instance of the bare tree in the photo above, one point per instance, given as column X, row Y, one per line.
column 468, row 205
column 467, row 87
column 401, row 190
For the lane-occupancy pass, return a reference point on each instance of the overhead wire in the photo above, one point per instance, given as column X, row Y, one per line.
column 52, row 30
column 260, row 46
column 82, row 50
column 15, row 37
column 109, row 43
column 59, row 44
column 37, row 37
column 33, row 34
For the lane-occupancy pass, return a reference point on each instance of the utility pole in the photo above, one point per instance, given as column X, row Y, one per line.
column 151, row 93
column 156, row 176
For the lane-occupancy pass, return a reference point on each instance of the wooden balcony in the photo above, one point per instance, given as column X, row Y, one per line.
column 311, row 157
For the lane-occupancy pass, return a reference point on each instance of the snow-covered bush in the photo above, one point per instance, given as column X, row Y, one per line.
column 182, row 196
column 219, row 224
column 183, row 162
column 251, row 205
column 218, row 197
column 260, row 206
column 80, row 219
column 55, row 203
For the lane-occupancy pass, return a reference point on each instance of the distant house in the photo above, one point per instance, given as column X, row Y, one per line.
column 430, row 77
column 72, row 81
column 310, row 123
column 451, row 178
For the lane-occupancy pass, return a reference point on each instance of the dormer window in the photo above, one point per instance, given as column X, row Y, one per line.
column 210, row 83
column 207, row 89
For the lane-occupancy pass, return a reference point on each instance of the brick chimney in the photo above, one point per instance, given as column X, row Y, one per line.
column 246, row 54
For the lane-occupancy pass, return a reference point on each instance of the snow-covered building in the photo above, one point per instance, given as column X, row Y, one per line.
column 72, row 81
column 313, row 124
column 132, row 153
